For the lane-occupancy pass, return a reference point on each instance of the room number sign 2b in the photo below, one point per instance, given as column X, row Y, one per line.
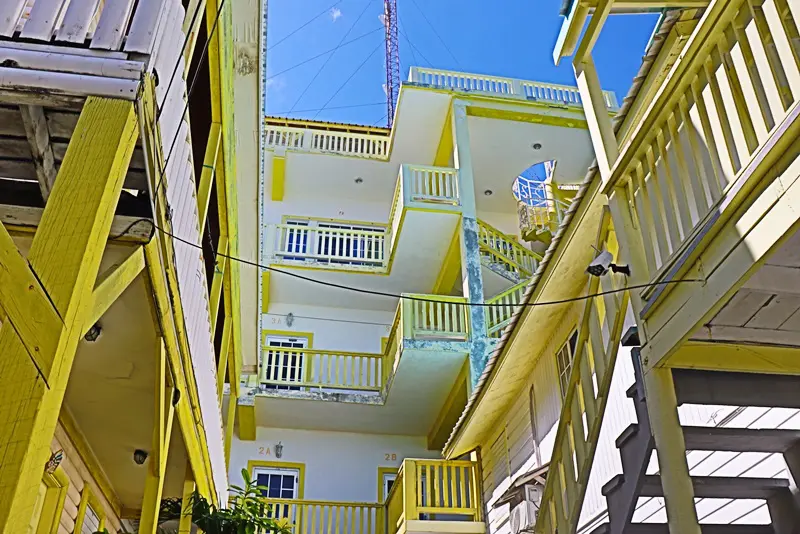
column 390, row 457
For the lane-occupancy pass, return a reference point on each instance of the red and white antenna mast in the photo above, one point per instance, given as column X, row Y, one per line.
column 392, row 57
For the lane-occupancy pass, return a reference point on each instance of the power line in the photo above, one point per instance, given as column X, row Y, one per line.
column 304, row 25
column 350, row 321
column 400, row 22
column 383, row 118
column 437, row 35
column 322, row 54
column 333, row 53
column 333, row 107
column 415, row 48
column 348, row 79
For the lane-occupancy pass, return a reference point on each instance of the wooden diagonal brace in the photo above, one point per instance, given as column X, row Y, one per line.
column 112, row 283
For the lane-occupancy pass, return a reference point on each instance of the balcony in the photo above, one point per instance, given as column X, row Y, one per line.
column 425, row 492
column 435, row 496
column 505, row 87
column 371, row 146
column 369, row 247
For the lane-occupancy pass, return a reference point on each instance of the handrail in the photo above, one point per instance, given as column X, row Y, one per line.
column 304, row 516
column 370, row 146
column 435, row 317
column 717, row 108
column 500, row 85
column 304, row 367
column 500, row 249
column 499, row 316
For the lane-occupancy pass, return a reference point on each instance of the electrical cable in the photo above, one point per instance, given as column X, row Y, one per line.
column 401, row 25
column 425, row 299
column 333, row 53
column 295, row 316
column 383, row 118
column 325, row 105
column 322, row 54
column 415, row 48
column 334, row 107
column 304, row 25
column 437, row 35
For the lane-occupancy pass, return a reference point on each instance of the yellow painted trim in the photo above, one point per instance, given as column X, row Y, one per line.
column 384, row 342
column 444, row 152
column 210, row 160
column 55, row 497
column 301, row 467
column 451, row 266
column 286, row 333
column 278, row 177
column 381, row 472
column 247, row 421
column 265, row 291
column 89, row 499
column 536, row 118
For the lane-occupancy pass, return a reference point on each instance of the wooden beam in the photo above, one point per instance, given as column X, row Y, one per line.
column 224, row 354
column 185, row 524
column 38, row 135
column 192, row 28
column 735, row 357
column 112, row 283
column 66, row 264
column 162, row 431
column 599, row 16
column 662, row 407
column 230, row 421
column 247, row 421
column 639, row 6
column 209, row 171
column 217, row 283
column 601, row 132
column 26, row 219
column 570, row 32
column 278, row 176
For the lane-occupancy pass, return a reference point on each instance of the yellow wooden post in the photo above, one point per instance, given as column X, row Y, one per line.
column 157, row 467
column 229, row 422
column 410, row 490
column 185, row 526
column 224, row 354
column 662, row 406
column 209, row 170
column 65, row 257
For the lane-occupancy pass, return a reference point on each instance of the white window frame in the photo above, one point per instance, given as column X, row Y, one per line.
column 280, row 471
column 564, row 359
column 294, row 342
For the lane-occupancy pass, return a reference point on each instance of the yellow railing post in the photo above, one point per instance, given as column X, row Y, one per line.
column 410, row 490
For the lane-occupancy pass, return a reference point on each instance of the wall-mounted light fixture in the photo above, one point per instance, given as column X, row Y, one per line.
column 278, row 449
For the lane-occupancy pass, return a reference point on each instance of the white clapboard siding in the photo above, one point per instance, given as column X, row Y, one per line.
column 77, row 20
column 110, row 29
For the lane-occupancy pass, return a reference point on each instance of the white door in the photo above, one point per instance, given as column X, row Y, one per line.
column 281, row 366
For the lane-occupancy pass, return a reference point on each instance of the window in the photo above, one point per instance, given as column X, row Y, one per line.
column 91, row 521
column 91, row 516
column 386, row 478
column 280, row 483
column 564, row 361
column 284, row 365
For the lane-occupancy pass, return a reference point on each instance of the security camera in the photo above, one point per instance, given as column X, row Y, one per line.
column 605, row 261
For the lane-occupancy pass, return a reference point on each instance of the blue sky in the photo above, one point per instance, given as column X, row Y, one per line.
column 512, row 38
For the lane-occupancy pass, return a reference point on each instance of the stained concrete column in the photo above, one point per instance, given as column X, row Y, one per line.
column 471, row 275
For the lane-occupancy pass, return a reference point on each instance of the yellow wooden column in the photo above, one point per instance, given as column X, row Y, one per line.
column 601, row 131
column 36, row 351
column 162, row 429
column 185, row 526
column 662, row 406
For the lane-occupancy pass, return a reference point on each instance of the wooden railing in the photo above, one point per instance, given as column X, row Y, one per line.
column 371, row 146
column 585, row 399
column 435, row 317
column 502, row 307
column 729, row 91
column 311, row 368
column 327, row 517
column 434, row 490
column 438, row 185
column 331, row 245
column 462, row 81
column 505, row 252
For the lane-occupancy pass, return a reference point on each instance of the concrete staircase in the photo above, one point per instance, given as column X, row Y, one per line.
column 636, row 444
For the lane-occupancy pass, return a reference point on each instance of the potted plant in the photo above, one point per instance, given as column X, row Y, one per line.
column 246, row 513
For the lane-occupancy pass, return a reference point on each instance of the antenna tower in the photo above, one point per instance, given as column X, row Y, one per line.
column 392, row 58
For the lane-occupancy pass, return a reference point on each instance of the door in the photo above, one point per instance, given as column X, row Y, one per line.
column 279, row 483
column 282, row 365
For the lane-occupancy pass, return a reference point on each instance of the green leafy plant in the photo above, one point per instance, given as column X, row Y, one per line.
column 247, row 513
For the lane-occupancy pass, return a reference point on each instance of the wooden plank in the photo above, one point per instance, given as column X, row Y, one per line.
column 76, row 64
column 110, row 31
column 112, row 283
column 26, row 219
column 42, row 19
column 11, row 14
column 77, row 19
column 741, row 308
column 732, row 356
column 38, row 135
column 142, row 34
column 775, row 313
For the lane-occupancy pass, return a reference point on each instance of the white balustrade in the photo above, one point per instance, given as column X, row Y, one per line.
column 283, row 137
column 501, row 308
column 319, row 141
column 296, row 242
column 461, row 81
column 323, row 369
column 431, row 184
column 435, row 317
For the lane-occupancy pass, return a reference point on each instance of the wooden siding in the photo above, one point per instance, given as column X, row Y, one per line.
column 181, row 191
column 79, row 477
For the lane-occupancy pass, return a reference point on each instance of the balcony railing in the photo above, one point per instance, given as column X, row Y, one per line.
column 679, row 165
column 505, row 253
column 371, row 146
column 498, row 85
column 427, row 317
column 327, row 517
column 434, row 490
column 502, row 308
column 361, row 247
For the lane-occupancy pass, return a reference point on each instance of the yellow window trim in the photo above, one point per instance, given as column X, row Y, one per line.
column 54, row 499
column 88, row 498
column 381, row 472
column 286, row 218
column 301, row 468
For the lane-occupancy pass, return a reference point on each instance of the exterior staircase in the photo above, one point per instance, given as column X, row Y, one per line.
column 636, row 444
column 504, row 255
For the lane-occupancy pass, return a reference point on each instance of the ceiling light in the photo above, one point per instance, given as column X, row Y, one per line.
column 536, row 146
column 359, row 180
column 488, row 192
column 93, row 333
column 139, row 456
